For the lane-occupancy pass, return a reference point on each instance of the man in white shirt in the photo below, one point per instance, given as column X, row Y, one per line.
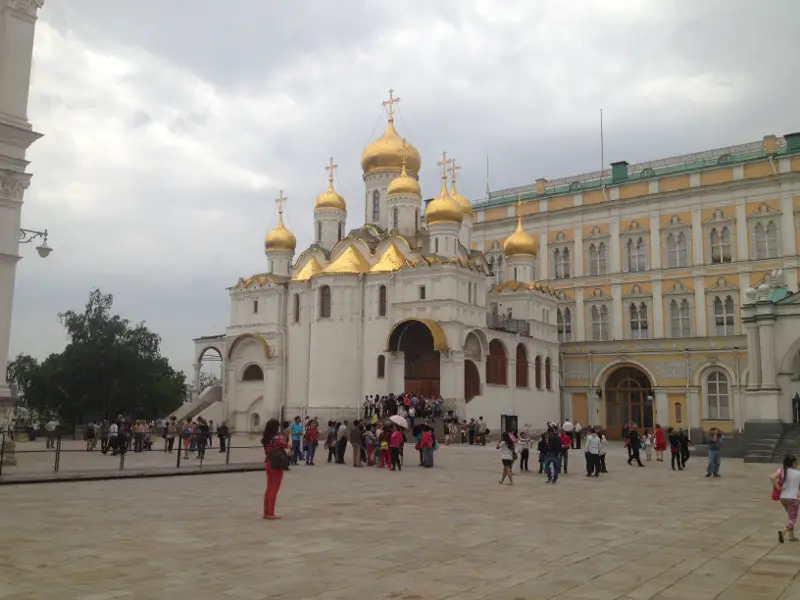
column 50, row 429
column 592, row 454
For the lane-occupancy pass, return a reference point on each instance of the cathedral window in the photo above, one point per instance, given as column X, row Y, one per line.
column 723, row 316
column 496, row 364
column 522, row 366
column 255, row 306
column 381, row 366
column 548, row 378
column 537, row 372
column 599, row 321
column 253, row 373
column 395, row 218
column 564, row 324
column 341, row 231
column 436, row 246
column 416, row 220
column 376, row 205
column 680, row 318
column 297, row 308
column 721, row 245
column 325, row 302
column 677, row 250
column 422, row 292
column 638, row 321
column 319, row 232
column 382, row 301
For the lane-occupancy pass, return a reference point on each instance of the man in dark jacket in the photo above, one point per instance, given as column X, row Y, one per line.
column 634, row 443
column 223, row 434
column 553, row 460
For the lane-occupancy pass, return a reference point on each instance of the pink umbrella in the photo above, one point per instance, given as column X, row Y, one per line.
column 399, row 421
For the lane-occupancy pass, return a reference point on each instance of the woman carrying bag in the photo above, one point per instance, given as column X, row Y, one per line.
column 277, row 461
column 786, row 489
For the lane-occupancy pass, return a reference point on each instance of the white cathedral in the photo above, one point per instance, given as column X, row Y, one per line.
column 401, row 304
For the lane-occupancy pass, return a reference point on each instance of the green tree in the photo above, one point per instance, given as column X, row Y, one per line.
column 108, row 367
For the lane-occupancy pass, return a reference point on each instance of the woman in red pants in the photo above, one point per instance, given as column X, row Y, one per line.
column 272, row 441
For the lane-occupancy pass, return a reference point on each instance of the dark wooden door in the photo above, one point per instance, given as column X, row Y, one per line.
column 472, row 380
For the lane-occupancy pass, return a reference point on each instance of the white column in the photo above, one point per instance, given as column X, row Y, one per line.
column 788, row 237
column 693, row 410
column 616, row 311
column 542, row 272
column 614, row 242
column 697, row 236
column 741, row 231
column 700, row 327
column 753, row 356
column 662, row 408
column 655, row 242
column 767, row 345
column 579, row 317
column 197, row 377
column 578, row 272
column 658, row 310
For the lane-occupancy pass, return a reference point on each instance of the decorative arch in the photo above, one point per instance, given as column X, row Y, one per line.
column 537, row 370
column 472, row 380
column 480, row 336
column 252, row 372
column 206, row 349
column 395, row 335
column 522, row 366
column 787, row 365
column 497, row 363
column 701, row 371
column 548, row 374
column 602, row 376
column 249, row 336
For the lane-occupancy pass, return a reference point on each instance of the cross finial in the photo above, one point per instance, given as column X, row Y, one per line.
column 453, row 167
column 518, row 204
column 443, row 163
column 331, row 169
column 280, row 201
column 390, row 103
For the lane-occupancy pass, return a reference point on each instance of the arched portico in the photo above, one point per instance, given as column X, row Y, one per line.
column 629, row 398
column 420, row 341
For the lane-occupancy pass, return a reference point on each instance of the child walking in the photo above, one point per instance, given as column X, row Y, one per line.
column 648, row 445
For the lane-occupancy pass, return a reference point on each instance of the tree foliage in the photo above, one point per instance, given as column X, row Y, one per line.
column 108, row 367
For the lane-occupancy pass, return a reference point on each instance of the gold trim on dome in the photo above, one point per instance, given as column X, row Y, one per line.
column 439, row 336
column 391, row 260
column 311, row 268
column 351, row 262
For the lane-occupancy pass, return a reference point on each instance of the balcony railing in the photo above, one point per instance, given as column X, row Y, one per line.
column 504, row 323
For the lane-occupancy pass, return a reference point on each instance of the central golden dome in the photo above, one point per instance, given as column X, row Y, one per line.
column 444, row 208
column 280, row 238
column 520, row 243
column 387, row 152
column 404, row 184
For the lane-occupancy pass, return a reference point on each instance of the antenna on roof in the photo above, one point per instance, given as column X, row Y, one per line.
column 487, row 176
column 602, row 155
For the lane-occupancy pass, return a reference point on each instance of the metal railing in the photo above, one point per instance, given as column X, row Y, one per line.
column 504, row 323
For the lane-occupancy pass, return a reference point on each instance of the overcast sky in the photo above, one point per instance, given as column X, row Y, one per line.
column 170, row 126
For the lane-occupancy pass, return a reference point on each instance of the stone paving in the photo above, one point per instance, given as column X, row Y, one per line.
column 447, row 532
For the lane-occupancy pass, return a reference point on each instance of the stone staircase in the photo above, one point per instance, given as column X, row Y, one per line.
column 788, row 444
column 762, row 448
column 207, row 397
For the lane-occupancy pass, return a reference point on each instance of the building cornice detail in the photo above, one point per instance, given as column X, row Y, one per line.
column 26, row 7
column 13, row 185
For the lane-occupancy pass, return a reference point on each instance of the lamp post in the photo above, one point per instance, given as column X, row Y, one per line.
column 26, row 236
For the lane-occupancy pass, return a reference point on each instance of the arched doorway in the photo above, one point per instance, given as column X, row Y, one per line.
column 472, row 380
column 418, row 342
column 629, row 399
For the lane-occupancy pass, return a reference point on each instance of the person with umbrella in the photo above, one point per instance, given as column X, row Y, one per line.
column 396, row 441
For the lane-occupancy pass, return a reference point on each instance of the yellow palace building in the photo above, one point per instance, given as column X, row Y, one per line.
column 651, row 263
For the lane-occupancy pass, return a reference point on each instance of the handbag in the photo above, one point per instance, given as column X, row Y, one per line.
column 776, row 494
column 278, row 459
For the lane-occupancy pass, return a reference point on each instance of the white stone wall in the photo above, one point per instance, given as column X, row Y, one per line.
column 330, row 222
column 378, row 182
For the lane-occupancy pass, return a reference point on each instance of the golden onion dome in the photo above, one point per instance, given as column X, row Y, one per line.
column 520, row 243
column 466, row 205
column 444, row 208
column 404, row 184
column 387, row 153
column 330, row 199
column 280, row 238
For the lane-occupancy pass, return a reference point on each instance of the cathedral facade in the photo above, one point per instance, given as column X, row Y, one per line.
column 401, row 304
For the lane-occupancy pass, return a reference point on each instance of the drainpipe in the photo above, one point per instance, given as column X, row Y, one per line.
column 308, row 346
column 739, row 408
column 688, row 410
column 360, row 365
column 562, row 380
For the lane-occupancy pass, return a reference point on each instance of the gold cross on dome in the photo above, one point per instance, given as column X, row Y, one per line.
column 331, row 169
column 443, row 163
column 453, row 167
column 280, row 200
column 518, row 204
column 390, row 103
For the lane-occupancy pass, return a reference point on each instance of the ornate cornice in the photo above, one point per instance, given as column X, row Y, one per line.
column 28, row 7
column 13, row 185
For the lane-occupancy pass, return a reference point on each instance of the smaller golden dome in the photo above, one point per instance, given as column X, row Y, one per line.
column 404, row 184
column 466, row 205
column 444, row 208
column 520, row 243
column 280, row 238
column 330, row 199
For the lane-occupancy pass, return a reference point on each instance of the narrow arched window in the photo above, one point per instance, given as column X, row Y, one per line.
column 376, row 205
column 324, row 302
column 382, row 301
column 522, row 366
column 341, row 231
column 548, row 381
column 537, row 372
column 395, row 217
column 381, row 366
column 297, row 308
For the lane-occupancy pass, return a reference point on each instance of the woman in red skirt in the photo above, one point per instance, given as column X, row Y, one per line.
column 660, row 443
column 272, row 440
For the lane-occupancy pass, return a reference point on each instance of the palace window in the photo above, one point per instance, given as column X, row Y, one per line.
column 376, row 205
column 522, row 366
column 723, row 315
column 537, row 372
column 599, row 321
column 638, row 319
column 497, row 364
column 637, row 258
column 680, row 318
column 548, row 378
column 718, row 396
column 564, row 324
column 677, row 250
column 382, row 301
column 766, row 240
column 561, row 263
column 597, row 259
column 297, row 308
column 720, row 245
column 381, row 366
column 325, row 302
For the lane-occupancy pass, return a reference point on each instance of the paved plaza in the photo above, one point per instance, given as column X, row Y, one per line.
column 448, row 532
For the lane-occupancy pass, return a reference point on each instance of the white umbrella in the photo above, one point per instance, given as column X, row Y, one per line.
column 399, row 421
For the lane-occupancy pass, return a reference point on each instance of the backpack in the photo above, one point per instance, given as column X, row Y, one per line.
column 278, row 459
column 776, row 494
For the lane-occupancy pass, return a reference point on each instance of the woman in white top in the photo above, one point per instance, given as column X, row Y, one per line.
column 506, row 447
column 787, row 481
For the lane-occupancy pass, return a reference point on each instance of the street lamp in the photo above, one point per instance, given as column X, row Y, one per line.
column 28, row 235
